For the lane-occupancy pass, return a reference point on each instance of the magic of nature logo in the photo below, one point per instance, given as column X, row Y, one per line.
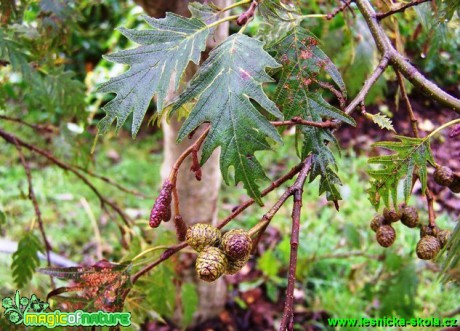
column 32, row 312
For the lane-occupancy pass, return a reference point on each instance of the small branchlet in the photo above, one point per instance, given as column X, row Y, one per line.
column 247, row 15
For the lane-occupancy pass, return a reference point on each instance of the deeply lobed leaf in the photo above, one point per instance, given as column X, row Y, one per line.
column 165, row 52
column 412, row 154
column 302, row 62
column 223, row 88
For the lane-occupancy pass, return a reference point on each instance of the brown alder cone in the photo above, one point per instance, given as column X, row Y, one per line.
column 202, row 235
column 236, row 244
column 235, row 265
column 161, row 210
column 386, row 235
column 443, row 237
column 409, row 216
column 427, row 230
column 211, row 263
column 391, row 215
column 455, row 186
column 377, row 222
column 443, row 176
column 428, row 247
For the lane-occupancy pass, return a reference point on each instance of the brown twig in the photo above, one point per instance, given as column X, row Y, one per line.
column 339, row 95
column 428, row 194
column 396, row 59
column 381, row 16
column 300, row 121
column 297, row 192
column 175, row 169
column 37, row 210
column 337, row 10
column 431, row 214
column 383, row 64
column 111, row 182
column 37, row 127
column 412, row 118
column 12, row 139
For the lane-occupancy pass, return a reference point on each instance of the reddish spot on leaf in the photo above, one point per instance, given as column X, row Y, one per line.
column 244, row 74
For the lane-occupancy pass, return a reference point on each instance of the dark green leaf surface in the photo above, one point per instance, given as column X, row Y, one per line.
column 411, row 154
column 165, row 52
column 302, row 63
column 223, row 88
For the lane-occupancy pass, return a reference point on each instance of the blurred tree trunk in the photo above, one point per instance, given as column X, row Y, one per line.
column 198, row 199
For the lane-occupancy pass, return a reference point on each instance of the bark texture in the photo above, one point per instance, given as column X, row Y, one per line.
column 198, row 199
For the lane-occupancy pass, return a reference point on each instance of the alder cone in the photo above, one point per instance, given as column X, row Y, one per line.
column 211, row 263
column 391, row 215
column 386, row 235
column 201, row 235
column 236, row 244
column 443, row 237
column 428, row 247
column 409, row 216
column 236, row 265
column 455, row 186
column 377, row 222
column 427, row 230
column 444, row 176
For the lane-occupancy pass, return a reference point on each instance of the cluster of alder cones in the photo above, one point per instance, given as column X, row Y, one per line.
column 218, row 254
column 432, row 238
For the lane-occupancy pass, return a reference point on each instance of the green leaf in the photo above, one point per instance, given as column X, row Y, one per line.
column 223, row 88
column 383, row 122
column 25, row 259
column 208, row 13
column 411, row 154
column 302, row 62
column 165, row 52
column 190, row 300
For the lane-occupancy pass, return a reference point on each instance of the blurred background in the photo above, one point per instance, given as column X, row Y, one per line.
column 50, row 65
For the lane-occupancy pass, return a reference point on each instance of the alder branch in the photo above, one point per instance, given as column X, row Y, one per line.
column 400, row 62
column 383, row 64
column 33, row 198
column 111, row 182
column 410, row 111
column 300, row 121
column 297, row 192
column 337, row 10
column 176, row 248
column 194, row 148
column 37, row 127
column 381, row 16
column 12, row 139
